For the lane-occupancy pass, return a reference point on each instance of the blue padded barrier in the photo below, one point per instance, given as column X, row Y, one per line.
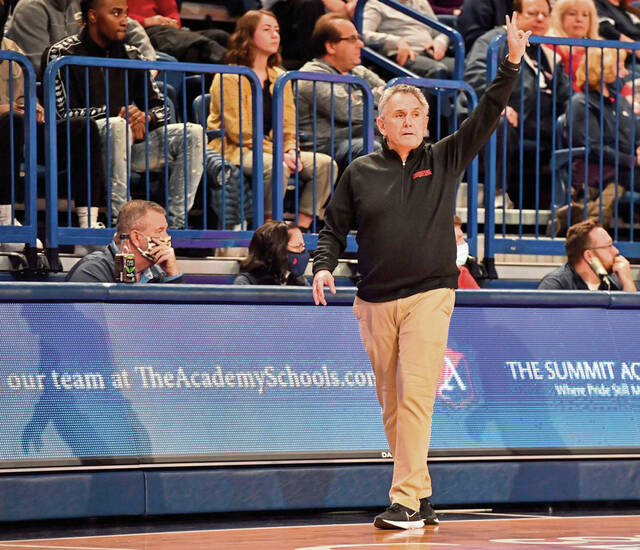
column 267, row 488
column 71, row 494
column 212, row 490
column 112, row 292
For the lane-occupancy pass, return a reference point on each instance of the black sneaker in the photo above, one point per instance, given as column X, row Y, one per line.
column 427, row 513
column 398, row 517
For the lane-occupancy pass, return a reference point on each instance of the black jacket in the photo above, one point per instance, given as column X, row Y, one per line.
column 480, row 16
column 99, row 267
column 403, row 212
column 261, row 276
column 615, row 20
column 626, row 149
column 538, row 67
column 82, row 45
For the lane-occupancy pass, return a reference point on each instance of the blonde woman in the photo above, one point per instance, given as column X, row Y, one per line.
column 255, row 43
column 573, row 19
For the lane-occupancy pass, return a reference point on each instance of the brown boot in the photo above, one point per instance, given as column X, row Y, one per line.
column 561, row 220
column 608, row 199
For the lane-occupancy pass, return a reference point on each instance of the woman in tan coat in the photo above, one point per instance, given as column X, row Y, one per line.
column 255, row 43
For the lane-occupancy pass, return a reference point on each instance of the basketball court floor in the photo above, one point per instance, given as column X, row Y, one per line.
column 612, row 527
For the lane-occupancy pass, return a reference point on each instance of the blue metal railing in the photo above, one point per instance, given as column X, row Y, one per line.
column 455, row 38
column 58, row 234
column 27, row 233
column 278, row 130
column 518, row 230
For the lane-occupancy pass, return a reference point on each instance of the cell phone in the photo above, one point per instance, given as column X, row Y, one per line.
column 596, row 265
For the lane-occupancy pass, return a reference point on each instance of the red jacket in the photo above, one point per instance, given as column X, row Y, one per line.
column 141, row 9
column 465, row 279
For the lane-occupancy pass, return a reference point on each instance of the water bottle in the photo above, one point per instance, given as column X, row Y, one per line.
column 125, row 268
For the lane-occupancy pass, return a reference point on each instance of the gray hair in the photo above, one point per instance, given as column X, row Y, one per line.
column 401, row 89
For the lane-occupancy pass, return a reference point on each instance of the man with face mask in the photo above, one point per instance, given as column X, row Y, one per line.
column 146, row 224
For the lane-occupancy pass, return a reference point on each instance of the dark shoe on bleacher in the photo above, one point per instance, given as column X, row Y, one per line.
column 427, row 512
column 398, row 517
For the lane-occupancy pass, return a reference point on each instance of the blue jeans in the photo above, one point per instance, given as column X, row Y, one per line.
column 179, row 163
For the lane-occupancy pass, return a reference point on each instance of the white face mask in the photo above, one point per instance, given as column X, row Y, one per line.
column 151, row 245
column 462, row 254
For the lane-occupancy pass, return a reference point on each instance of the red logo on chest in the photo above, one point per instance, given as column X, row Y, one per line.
column 421, row 174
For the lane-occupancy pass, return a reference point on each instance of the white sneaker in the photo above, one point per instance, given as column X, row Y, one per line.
column 11, row 247
column 502, row 199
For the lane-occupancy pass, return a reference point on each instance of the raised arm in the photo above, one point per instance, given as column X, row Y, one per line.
column 517, row 39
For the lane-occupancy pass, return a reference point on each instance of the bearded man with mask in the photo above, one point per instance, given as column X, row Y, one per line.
column 146, row 224
column 277, row 256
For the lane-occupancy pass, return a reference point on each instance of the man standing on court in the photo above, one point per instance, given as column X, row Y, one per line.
column 401, row 202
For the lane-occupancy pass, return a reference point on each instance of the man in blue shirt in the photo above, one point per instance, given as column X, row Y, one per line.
column 594, row 263
column 146, row 224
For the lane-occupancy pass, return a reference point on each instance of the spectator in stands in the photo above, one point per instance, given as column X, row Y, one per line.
column 37, row 24
column 13, row 115
column 593, row 262
column 534, row 17
column 102, row 36
column 297, row 19
column 479, row 17
column 161, row 20
column 412, row 44
column 470, row 269
column 447, row 7
column 619, row 20
column 336, row 47
column 277, row 256
column 610, row 123
column 400, row 201
column 255, row 44
column 146, row 224
column 573, row 19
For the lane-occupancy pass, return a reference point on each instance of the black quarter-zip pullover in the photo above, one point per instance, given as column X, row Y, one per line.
column 403, row 212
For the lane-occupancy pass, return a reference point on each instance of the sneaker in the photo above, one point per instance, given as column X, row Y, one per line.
column 503, row 200
column 427, row 512
column 398, row 517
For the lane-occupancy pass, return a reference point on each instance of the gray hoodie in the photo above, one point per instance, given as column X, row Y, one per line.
column 37, row 24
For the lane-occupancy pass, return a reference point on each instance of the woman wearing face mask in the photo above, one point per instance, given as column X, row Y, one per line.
column 277, row 256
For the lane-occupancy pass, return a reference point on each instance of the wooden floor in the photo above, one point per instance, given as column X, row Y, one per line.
column 596, row 532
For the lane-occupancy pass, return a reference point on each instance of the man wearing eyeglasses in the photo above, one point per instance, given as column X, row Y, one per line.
column 594, row 263
column 146, row 224
column 338, row 107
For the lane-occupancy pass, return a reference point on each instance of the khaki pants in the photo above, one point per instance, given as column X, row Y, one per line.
column 405, row 340
column 323, row 180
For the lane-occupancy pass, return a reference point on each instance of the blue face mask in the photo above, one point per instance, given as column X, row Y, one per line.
column 298, row 262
